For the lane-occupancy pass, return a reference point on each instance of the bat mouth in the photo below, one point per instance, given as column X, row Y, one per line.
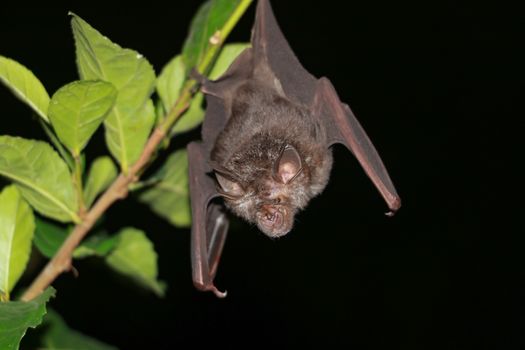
column 273, row 220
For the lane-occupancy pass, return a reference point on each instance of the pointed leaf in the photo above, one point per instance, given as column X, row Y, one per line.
column 169, row 86
column 228, row 54
column 195, row 113
column 159, row 112
column 17, row 225
column 101, row 174
column 210, row 17
column 135, row 257
column 129, row 123
column 49, row 236
column 191, row 118
column 170, row 81
column 17, row 316
column 59, row 336
column 77, row 109
column 41, row 175
column 23, row 83
column 99, row 244
column 169, row 198
column 128, row 137
column 68, row 158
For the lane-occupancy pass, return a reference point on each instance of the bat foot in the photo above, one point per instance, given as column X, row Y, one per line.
column 210, row 288
column 218, row 293
column 195, row 74
column 396, row 204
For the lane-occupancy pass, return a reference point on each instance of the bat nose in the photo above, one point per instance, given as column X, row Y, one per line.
column 272, row 221
column 275, row 218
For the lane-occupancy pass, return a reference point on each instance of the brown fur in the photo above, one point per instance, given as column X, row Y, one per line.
column 262, row 123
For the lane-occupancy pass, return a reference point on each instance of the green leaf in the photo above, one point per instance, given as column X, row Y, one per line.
column 17, row 316
column 68, row 158
column 101, row 174
column 98, row 244
column 191, row 118
column 228, row 54
column 210, row 17
column 17, row 225
column 159, row 112
column 23, row 83
column 169, row 197
column 134, row 139
column 77, row 109
column 129, row 123
column 41, row 175
column 49, row 236
column 58, row 336
column 172, row 78
column 135, row 257
column 169, row 86
column 170, row 82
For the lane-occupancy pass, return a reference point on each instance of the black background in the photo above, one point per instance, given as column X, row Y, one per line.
column 437, row 85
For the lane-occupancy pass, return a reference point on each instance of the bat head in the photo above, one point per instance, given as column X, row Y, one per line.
column 270, row 198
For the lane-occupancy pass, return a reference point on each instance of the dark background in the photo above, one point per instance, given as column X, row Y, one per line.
column 437, row 85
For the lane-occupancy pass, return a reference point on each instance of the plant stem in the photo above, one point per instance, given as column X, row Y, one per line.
column 221, row 35
column 61, row 261
column 77, row 180
column 54, row 140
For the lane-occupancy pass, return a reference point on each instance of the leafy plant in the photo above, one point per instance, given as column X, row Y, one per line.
column 53, row 202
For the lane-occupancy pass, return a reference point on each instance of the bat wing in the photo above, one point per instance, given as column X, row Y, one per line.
column 219, row 95
column 343, row 127
column 271, row 60
column 272, row 52
column 210, row 223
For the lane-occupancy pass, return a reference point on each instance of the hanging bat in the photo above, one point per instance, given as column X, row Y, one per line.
column 265, row 147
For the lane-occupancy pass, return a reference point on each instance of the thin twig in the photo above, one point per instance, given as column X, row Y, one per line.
column 77, row 181
column 61, row 261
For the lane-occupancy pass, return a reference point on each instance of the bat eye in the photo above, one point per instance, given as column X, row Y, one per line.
column 230, row 189
column 289, row 165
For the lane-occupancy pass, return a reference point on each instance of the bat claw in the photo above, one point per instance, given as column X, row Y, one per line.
column 394, row 206
column 218, row 293
column 210, row 288
column 195, row 74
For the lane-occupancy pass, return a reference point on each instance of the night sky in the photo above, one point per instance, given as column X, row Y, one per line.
column 438, row 86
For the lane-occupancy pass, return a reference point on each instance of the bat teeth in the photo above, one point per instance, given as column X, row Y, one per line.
column 271, row 220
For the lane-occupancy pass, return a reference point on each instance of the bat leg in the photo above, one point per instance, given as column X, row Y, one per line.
column 205, row 84
column 206, row 250
column 210, row 223
column 215, row 238
column 195, row 75
column 209, row 252
column 343, row 127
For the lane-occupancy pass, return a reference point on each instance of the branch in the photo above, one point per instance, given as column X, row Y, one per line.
column 61, row 261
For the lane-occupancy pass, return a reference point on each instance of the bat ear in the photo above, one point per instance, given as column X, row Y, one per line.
column 230, row 188
column 288, row 166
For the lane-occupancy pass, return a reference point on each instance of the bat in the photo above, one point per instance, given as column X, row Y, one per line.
column 266, row 146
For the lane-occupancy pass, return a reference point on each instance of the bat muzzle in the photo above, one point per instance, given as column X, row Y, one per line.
column 274, row 220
